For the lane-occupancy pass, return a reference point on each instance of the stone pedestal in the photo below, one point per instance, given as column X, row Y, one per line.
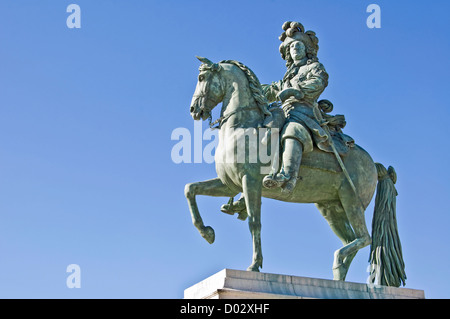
column 237, row 284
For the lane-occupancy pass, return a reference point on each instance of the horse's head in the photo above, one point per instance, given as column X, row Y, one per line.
column 209, row 91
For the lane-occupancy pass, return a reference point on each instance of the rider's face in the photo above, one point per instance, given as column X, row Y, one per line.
column 297, row 50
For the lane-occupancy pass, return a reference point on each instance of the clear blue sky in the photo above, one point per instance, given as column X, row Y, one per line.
column 86, row 117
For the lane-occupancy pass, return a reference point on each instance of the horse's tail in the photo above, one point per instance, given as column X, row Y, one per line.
column 387, row 266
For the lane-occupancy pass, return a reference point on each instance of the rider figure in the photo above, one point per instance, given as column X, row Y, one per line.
column 301, row 86
column 299, row 90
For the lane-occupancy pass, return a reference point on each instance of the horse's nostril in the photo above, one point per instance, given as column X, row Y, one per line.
column 191, row 109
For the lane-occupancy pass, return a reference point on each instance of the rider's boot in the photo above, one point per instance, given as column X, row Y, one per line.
column 287, row 178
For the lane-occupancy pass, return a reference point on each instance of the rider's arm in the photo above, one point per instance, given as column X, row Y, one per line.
column 316, row 80
column 271, row 90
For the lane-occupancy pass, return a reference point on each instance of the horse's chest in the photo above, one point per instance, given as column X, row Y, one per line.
column 227, row 164
column 236, row 153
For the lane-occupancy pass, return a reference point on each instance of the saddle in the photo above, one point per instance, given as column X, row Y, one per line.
column 319, row 158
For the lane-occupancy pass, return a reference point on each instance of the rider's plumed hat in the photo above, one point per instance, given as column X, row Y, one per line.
column 294, row 31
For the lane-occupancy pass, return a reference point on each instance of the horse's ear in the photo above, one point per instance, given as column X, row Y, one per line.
column 204, row 60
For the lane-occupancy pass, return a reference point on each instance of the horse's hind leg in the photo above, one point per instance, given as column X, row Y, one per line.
column 355, row 215
column 335, row 215
column 213, row 187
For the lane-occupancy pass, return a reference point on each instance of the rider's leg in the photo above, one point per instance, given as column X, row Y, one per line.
column 287, row 177
column 292, row 156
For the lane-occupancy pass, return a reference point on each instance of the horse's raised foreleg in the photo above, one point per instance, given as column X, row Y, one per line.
column 252, row 188
column 212, row 187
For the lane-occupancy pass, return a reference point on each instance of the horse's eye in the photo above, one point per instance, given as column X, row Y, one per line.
column 201, row 78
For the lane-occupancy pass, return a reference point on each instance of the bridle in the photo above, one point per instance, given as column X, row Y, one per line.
column 224, row 118
column 204, row 94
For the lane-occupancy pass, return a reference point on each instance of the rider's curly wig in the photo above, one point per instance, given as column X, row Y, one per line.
column 294, row 31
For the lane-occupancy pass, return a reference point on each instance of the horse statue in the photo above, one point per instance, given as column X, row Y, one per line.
column 322, row 181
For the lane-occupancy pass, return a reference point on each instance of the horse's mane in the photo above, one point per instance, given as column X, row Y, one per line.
column 255, row 86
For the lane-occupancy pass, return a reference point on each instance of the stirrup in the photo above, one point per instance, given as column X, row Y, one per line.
column 270, row 182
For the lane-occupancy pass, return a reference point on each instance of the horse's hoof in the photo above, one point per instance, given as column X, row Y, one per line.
column 208, row 234
column 253, row 268
column 340, row 272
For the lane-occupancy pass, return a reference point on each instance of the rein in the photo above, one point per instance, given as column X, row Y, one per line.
column 224, row 118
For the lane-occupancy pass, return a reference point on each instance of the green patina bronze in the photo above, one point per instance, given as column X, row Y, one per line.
column 318, row 163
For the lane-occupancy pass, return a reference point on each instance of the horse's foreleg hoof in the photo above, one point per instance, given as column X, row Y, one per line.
column 253, row 268
column 208, row 233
